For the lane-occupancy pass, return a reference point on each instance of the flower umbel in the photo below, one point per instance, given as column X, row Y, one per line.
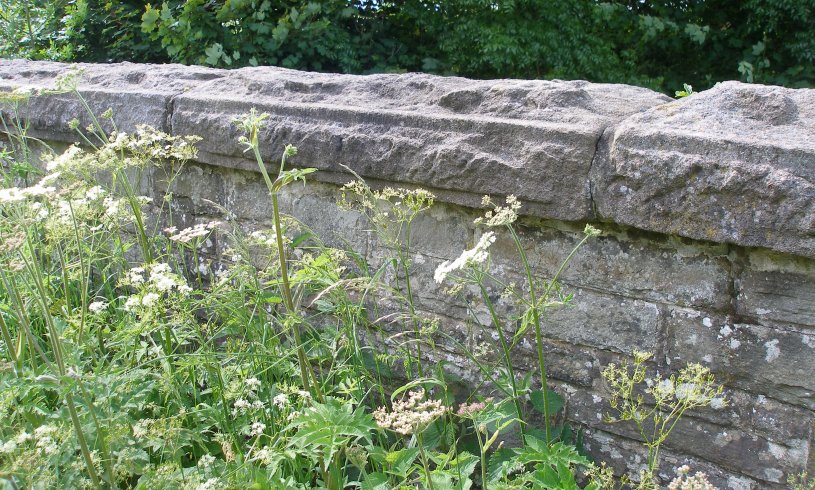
column 410, row 415
column 475, row 256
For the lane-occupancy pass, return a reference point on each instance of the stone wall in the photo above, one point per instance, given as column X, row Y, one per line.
column 707, row 203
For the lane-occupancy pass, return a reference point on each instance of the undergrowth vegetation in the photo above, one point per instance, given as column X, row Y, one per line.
column 132, row 357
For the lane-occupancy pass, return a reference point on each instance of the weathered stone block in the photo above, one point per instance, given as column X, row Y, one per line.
column 413, row 129
column 769, row 361
column 726, row 446
column 732, row 164
column 627, row 456
column 775, row 288
column 137, row 94
column 656, row 269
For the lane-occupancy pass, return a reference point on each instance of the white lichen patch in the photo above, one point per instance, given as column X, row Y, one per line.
column 707, row 322
column 778, row 451
column 738, row 483
column 773, row 474
column 772, row 350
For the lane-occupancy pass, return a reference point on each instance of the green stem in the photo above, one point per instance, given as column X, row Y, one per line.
column 507, row 359
column 305, row 368
column 425, row 465
column 538, row 333
column 36, row 275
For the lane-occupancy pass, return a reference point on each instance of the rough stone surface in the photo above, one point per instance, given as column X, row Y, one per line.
column 729, row 170
column 726, row 446
column 771, row 361
column 733, row 164
column 137, row 94
column 535, row 139
column 776, row 288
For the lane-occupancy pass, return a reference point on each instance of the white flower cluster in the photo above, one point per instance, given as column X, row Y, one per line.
column 189, row 234
column 149, row 142
column 281, row 400
column 474, row 256
column 44, row 435
column 15, row 194
column 500, row 215
column 142, row 428
column 410, row 415
column 206, row 461
column 210, row 484
column 264, row 456
column 65, row 159
column 242, row 406
column 257, row 429
column 12, row 444
column 97, row 307
column 165, row 281
column 266, row 238
column 158, row 282
column 40, row 211
column 684, row 481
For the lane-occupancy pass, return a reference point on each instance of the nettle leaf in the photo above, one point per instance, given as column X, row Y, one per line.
column 555, row 401
column 331, row 426
column 501, row 464
column 376, row 481
column 401, row 461
column 537, row 451
column 557, row 477
column 464, row 464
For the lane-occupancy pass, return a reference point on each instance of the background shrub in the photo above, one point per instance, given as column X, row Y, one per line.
column 655, row 43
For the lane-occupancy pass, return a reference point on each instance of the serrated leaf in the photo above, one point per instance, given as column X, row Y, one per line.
column 376, row 481
column 401, row 461
column 555, row 401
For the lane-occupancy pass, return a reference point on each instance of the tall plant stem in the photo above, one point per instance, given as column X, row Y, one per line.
column 306, row 373
column 53, row 335
column 404, row 257
column 538, row 333
column 507, row 359
column 423, row 456
column 536, row 317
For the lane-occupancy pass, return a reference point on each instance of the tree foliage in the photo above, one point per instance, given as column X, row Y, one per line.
column 661, row 44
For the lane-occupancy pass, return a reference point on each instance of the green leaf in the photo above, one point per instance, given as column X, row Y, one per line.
column 214, row 53
column 537, row 451
column 500, row 463
column 464, row 464
column 555, row 402
column 401, row 461
column 376, row 481
column 149, row 19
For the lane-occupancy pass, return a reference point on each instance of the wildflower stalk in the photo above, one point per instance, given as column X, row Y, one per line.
column 482, row 450
column 56, row 347
column 423, row 457
column 403, row 260
column 536, row 313
column 538, row 332
column 7, row 339
column 516, row 397
column 306, row 373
